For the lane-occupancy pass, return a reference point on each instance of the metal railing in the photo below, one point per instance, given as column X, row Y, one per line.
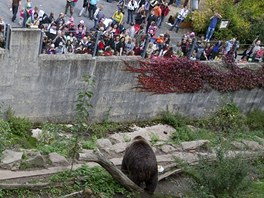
column 99, row 34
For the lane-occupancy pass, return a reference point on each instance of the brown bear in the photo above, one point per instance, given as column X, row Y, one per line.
column 140, row 164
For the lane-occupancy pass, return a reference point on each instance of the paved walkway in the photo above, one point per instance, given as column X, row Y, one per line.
column 58, row 6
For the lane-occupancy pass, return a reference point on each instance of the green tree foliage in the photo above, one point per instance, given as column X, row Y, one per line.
column 246, row 19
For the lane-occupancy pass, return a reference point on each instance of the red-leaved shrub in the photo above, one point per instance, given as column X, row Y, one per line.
column 181, row 75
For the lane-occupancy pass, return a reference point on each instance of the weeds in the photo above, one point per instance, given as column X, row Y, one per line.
column 228, row 120
column 224, row 177
column 19, row 126
column 183, row 134
column 90, row 144
column 104, row 128
column 174, row 120
column 255, row 120
column 96, row 178
column 154, row 138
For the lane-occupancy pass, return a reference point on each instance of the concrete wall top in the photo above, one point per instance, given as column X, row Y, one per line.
column 44, row 87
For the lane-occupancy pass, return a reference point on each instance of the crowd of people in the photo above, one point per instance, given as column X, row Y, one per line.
column 110, row 35
column 135, row 35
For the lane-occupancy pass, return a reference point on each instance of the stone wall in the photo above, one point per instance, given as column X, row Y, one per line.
column 44, row 87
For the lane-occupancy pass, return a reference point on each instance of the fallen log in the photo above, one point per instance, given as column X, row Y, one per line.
column 36, row 186
column 115, row 172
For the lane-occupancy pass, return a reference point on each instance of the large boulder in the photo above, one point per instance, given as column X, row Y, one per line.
column 238, row 145
column 58, row 160
column 119, row 147
column 11, row 159
column 252, row 145
column 104, row 144
column 168, row 148
column 37, row 161
column 195, row 145
column 260, row 140
column 159, row 132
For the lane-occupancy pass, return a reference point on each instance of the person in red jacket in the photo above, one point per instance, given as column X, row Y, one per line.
column 164, row 12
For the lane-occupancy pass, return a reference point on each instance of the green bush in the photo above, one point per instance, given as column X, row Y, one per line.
column 174, row 120
column 20, row 130
column 4, row 135
column 90, row 144
column 4, row 128
column 255, row 120
column 225, row 177
column 60, row 146
column 20, row 126
column 183, row 134
column 25, row 142
column 228, row 119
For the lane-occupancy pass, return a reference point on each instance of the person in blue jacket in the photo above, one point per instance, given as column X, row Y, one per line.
column 213, row 23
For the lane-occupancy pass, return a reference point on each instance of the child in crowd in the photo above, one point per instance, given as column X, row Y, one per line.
column 21, row 16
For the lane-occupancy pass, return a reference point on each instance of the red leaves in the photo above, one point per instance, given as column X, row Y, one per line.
column 180, row 75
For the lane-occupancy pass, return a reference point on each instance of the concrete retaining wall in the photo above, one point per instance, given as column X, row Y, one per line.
column 44, row 87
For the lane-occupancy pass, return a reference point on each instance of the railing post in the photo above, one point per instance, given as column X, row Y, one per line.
column 192, row 49
column 7, row 36
column 96, row 43
column 145, row 46
column 41, row 42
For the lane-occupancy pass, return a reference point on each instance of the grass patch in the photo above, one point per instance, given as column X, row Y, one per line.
column 90, row 143
column 174, row 120
column 255, row 120
column 256, row 190
column 96, row 178
column 183, row 134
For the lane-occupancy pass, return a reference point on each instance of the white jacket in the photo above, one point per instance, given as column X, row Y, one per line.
column 182, row 14
column 132, row 7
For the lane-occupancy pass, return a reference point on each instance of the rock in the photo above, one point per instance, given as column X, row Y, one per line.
column 238, row 145
column 37, row 161
column 103, row 144
column 87, row 193
column 160, row 132
column 184, row 156
column 30, row 152
column 195, row 145
column 66, row 135
column 58, row 160
column 192, row 128
column 11, row 159
column 36, row 133
column 119, row 147
column 252, row 145
column 69, row 125
column 165, row 158
column 168, row 148
column 260, row 140
column 82, row 156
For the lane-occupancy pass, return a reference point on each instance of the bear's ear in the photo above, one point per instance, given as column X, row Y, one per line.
column 139, row 137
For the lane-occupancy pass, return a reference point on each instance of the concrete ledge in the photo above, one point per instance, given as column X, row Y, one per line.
column 88, row 57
